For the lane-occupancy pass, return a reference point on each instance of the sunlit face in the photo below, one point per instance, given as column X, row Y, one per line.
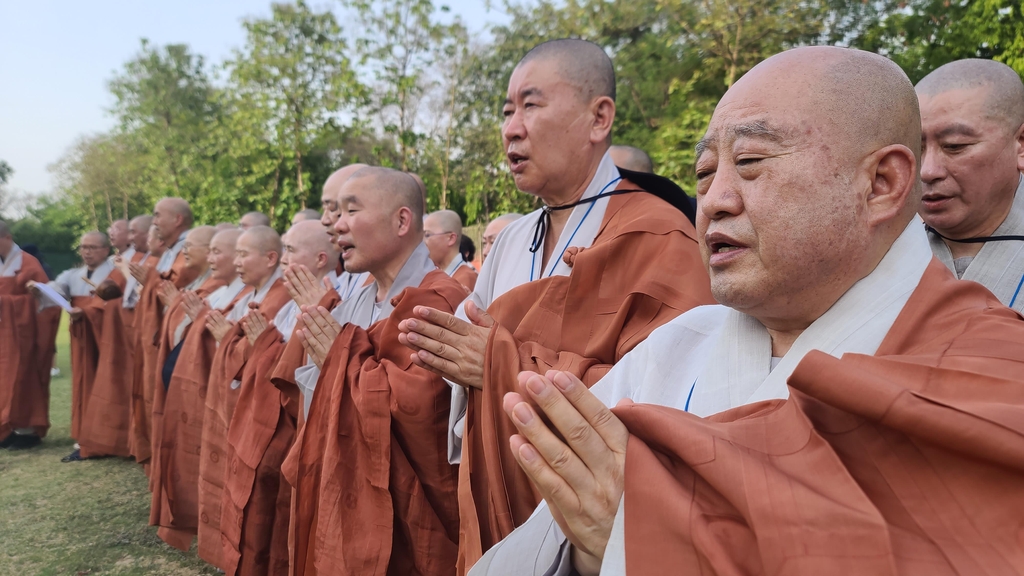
column 971, row 163
column 367, row 228
column 776, row 211
column 252, row 265
column 194, row 251
column 331, row 211
column 118, row 233
column 166, row 222
column 439, row 241
column 221, row 258
column 300, row 253
column 156, row 245
column 547, row 128
column 138, row 236
column 490, row 235
column 93, row 250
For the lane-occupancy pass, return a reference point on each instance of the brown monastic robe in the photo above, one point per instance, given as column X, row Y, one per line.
column 910, row 461
column 466, row 275
column 174, row 506
column 374, row 492
column 149, row 314
column 107, row 419
column 642, row 270
column 26, row 352
column 222, row 395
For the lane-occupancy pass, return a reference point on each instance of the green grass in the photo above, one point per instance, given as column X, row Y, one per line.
column 81, row 518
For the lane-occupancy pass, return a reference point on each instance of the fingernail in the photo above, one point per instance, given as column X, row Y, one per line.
column 563, row 382
column 413, row 338
column 536, row 385
column 522, row 413
column 412, row 324
column 527, row 453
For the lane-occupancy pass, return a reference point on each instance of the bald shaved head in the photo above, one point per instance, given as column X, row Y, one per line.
column 197, row 247
column 227, row 226
column 94, row 248
column 1005, row 91
column 396, row 187
column 307, row 214
column 226, row 237
column 805, row 178
column 221, row 257
column 422, row 185
column 264, row 238
column 583, row 64
column 172, row 216
column 119, row 235
column 329, row 197
column 493, row 229
column 631, row 158
column 442, row 233
column 307, row 244
column 250, row 219
column 257, row 254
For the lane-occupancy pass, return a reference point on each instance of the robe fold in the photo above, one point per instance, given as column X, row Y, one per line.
column 107, row 423
column 463, row 273
column 233, row 353
column 174, row 506
column 293, row 356
column 149, row 314
column 26, row 347
column 642, row 270
column 374, row 492
column 910, row 461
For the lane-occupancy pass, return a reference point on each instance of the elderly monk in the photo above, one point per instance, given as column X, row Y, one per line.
column 374, row 492
column 442, row 233
column 172, row 218
column 493, row 229
column 572, row 286
column 307, row 214
column 250, row 219
column 257, row 259
column 117, row 232
column 972, row 115
column 26, row 344
column 897, row 389
column 174, row 507
column 256, row 502
column 631, row 158
column 348, row 282
column 77, row 286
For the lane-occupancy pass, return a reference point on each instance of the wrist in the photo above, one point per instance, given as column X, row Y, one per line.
column 585, row 564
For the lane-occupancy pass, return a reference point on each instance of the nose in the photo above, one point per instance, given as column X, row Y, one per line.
column 722, row 198
column 932, row 167
column 341, row 226
column 325, row 220
column 513, row 127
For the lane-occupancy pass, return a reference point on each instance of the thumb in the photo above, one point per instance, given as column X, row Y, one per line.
column 477, row 316
column 327, row 284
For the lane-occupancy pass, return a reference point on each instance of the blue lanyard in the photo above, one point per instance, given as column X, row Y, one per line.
column 554, row 263
column 690, row 395
column 352, row 283
column 1017, row 292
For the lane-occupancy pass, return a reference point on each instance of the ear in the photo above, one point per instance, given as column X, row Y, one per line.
column 273, row 258
column 321, row 260
column 892, row 173
column 1019, row 144
column 603, row 109
column 405, row 218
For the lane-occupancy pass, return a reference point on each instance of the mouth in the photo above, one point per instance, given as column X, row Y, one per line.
column 934, row 201
column 517, row 162
column 345, row 246
column 722, row 248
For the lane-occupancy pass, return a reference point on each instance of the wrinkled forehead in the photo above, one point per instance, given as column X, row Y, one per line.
column 540, row 77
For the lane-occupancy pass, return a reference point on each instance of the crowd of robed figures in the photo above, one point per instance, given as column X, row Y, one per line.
column 352, row 398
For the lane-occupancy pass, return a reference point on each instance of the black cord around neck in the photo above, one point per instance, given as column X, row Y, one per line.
column 978, row 240
column 544, row 220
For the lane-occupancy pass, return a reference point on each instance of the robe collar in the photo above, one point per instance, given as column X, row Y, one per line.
column 360, row 309
column 456, row 263
column 12, row 263
column 167, row 258
column 739, row 370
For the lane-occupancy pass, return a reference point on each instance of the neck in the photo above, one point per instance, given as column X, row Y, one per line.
column 782, row 340
column 5, row 253
column 385, row 275
column 570, row 196
column 448, row 261
column 263, row 282
column 123, row 248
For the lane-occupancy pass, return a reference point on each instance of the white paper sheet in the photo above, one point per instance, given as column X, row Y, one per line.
column 54, row 296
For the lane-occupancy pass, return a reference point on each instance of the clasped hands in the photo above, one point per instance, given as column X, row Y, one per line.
column 576, row 457
column 447, row 345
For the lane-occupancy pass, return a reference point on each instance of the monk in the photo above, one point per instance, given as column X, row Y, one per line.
column 119, row 236
column 256, row 502
column 77, row 286
column 972, row 114
column 493, row 229
column 348, row 282
column 26, row 343
column 107, row 420
column 307, row 214
column 172, row 218
column 631, row 158
column 257, row 259
column 573, row 286
column 442, row 233
column 250, row 219
column 174, row 481
column 840, row 409
column 374, row 492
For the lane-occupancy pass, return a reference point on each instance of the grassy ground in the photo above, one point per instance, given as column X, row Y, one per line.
column 81, row 518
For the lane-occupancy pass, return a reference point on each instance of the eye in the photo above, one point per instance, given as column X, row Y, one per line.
column 954, row 148
column 507, row 112
column 747, row 161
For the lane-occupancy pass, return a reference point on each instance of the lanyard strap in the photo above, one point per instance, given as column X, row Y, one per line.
column 978, row 240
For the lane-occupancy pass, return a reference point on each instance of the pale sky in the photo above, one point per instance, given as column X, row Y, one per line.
column 57, row 56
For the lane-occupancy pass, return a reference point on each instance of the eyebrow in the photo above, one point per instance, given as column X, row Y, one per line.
column 349, row 200
column 956, row 129
column 758, row 129
column 525, row 93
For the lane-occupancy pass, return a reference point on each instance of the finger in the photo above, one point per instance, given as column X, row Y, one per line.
column 477, row 316
column 435, row 347
column 442, row 366
column 553, row 487
column 442, row 319
column 403, row 339
column 562, row 457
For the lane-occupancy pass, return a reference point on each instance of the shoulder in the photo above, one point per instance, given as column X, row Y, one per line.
column 444, row 290
column 644, row 212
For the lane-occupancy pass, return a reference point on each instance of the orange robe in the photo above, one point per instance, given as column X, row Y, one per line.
column 374, row 492
column 910, row 461
column 174, row 506
column 26, row 352
column 466, row 275
column 107, row 418
column 642, row 270
column 149, row 314
column 231, row 358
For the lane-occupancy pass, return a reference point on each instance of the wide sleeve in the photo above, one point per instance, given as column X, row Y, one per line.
column 537, row 548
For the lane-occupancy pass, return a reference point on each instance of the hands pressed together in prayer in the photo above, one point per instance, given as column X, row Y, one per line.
column 218, row 325
column 448, row 346
column 137, row 271
column 577, row 458
column 303, row 286
column 254, row 323
column 166, row 292
column 193, row 304
column 318, row 332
